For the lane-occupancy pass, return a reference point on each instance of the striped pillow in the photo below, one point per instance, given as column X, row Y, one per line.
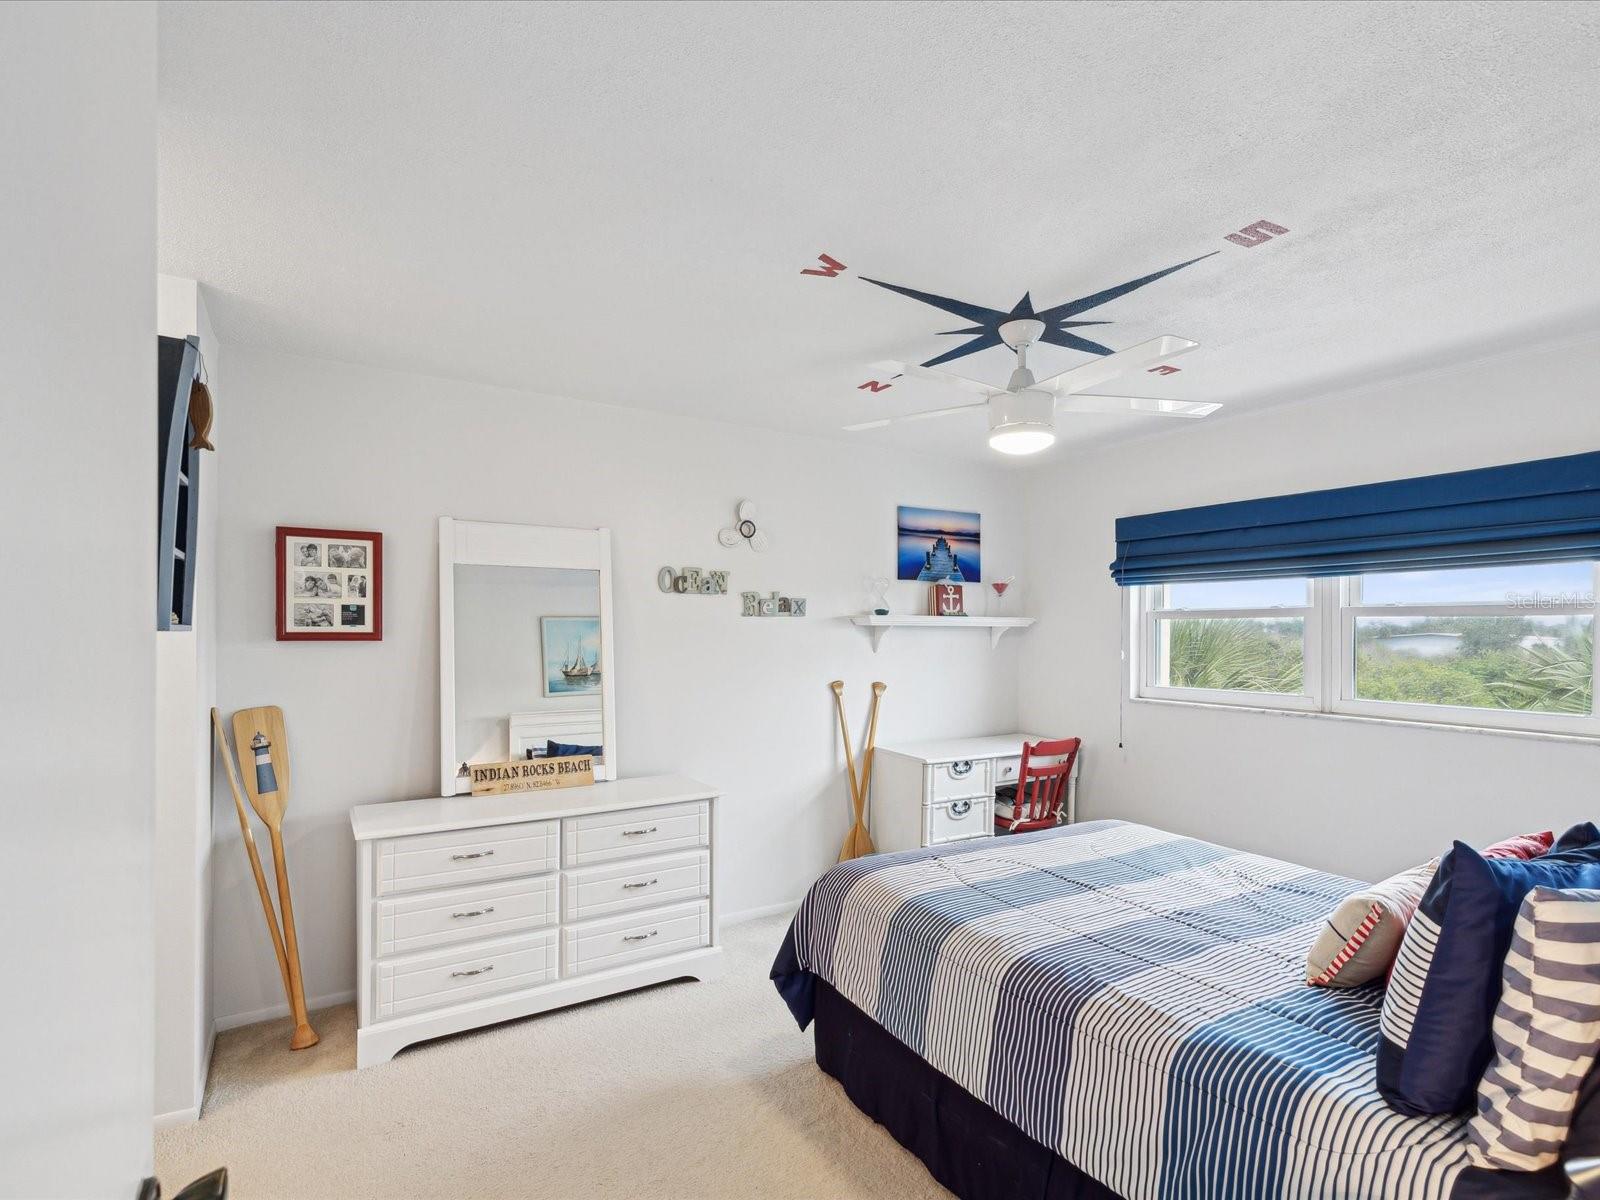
column 1358, row 942
column 1546, row 1032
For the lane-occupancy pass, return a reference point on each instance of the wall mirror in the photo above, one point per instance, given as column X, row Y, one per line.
column 526, row 668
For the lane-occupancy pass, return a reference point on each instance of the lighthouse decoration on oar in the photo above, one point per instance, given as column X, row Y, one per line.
column 268, row 788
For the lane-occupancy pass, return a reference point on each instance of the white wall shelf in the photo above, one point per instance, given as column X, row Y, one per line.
column 997, row 626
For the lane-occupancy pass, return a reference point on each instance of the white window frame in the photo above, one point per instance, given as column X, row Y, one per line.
column 1330, row 662
column 1148, row 662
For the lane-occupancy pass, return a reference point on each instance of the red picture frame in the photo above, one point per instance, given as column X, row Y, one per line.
column 343, row 568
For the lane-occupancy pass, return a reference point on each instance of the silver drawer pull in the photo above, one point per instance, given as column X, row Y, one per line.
column 474, row 854
column 961, row 808
column 961, row 769
column 642, row 883
column 476, row 912
column 638, row 832
column 464, row 974
column 639, row 937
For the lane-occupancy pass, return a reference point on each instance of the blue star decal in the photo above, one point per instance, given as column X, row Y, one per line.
column 986, row 322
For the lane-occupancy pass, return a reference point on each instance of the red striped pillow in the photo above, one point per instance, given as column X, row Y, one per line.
column 1361, row 938
column 1359, row 941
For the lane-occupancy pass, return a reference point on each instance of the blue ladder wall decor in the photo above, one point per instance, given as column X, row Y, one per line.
column 179, row 482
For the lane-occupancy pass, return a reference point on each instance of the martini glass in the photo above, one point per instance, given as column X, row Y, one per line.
column 1000, row 586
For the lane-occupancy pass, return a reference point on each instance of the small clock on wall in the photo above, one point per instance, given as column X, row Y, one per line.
column 330, row 585
column 744, row 528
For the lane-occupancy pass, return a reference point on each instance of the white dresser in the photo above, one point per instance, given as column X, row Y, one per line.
column 476, row 909
column 926, row 793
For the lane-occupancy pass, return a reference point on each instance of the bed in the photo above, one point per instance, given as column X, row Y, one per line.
column 1110, row 1010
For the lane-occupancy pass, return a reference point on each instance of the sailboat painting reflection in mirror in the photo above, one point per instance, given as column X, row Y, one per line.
column 571, row 648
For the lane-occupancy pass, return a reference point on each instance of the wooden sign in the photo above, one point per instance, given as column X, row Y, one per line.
column 531, row 775
column 946, row 600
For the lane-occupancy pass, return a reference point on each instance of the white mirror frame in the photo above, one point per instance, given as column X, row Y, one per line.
column 490, row 543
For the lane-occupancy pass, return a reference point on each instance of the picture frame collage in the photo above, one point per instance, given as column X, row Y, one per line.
column 330, row 584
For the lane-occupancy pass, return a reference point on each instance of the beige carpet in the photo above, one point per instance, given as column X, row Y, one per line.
column 683, row 1090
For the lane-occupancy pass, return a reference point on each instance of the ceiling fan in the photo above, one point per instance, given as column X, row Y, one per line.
column 1022, row 415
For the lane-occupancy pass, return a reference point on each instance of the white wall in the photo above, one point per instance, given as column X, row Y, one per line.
column 186, row 688
column 1360, row 798
column 77, row 454
column 740, row 702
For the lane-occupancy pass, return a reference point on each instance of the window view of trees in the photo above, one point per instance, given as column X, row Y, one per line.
column 1243, row 654
column 1502, row 639
column 1540, row 664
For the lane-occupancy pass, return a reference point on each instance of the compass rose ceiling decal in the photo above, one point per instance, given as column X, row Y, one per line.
column 1022, row 414
column 987, row 321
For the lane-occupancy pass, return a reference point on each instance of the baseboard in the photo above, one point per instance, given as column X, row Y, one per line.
column 755, row 914
column 255, row 1017
column 179, row 1116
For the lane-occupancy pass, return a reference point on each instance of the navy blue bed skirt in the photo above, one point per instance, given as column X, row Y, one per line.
column 979, row 1155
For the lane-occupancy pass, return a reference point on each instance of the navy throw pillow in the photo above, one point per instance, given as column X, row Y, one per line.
column 567, row 750
column 1579, row 835
column 1439, row 1009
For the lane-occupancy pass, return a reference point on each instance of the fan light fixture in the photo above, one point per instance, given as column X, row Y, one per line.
column 1022, row 422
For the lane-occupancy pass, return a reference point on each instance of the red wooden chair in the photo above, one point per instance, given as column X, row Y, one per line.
column 1040, row 790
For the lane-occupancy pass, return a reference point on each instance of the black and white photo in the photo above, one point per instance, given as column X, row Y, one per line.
column 317, row 585
column 355, row 586
column 345, row 554
column 308, row 554
column 313, row 616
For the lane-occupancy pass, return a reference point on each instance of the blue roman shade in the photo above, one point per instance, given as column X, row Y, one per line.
column 1544, row 511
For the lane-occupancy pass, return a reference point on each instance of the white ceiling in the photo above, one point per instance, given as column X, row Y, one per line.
column 615, row 201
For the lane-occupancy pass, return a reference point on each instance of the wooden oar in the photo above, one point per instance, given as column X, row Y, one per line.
column 267, row 785
column 254, row 855
column 850, row 766
column 860, row 840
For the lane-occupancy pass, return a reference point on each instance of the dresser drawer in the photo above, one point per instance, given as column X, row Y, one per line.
column 956, row 820
column 435, row 979
column 616, row 942
column 1007, row 770
column 591, row 892
column 603, row 837
column 407, row 923
column 953, row 780
column 459, row 856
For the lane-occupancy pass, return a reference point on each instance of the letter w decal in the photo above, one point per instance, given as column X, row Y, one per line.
column 829, row 269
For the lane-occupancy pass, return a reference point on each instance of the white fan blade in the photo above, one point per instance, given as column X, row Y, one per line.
column 1135, row 358
column 921, row 416
column 1081, row 402
column 889, row 368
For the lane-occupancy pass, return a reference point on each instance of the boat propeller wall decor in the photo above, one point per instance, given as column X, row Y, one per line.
column 744, row 528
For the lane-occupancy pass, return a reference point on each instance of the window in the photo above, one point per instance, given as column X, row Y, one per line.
column 1508, row 647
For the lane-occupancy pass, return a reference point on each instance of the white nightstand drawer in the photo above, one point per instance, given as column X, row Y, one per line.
column 603, row 837
column 591, row 892
column 956, row 820
column 459, row 856
column 613, row 943
column 953, row 780
column 407, row 923
column 419, row 982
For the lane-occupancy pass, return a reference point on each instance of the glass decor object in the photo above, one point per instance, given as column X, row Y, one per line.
column 1000, row 586
column 878, row 594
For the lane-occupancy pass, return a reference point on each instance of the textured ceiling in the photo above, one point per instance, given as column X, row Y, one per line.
column 615, row 201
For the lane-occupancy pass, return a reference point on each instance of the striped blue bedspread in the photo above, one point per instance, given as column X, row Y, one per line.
column 1134, row 1000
